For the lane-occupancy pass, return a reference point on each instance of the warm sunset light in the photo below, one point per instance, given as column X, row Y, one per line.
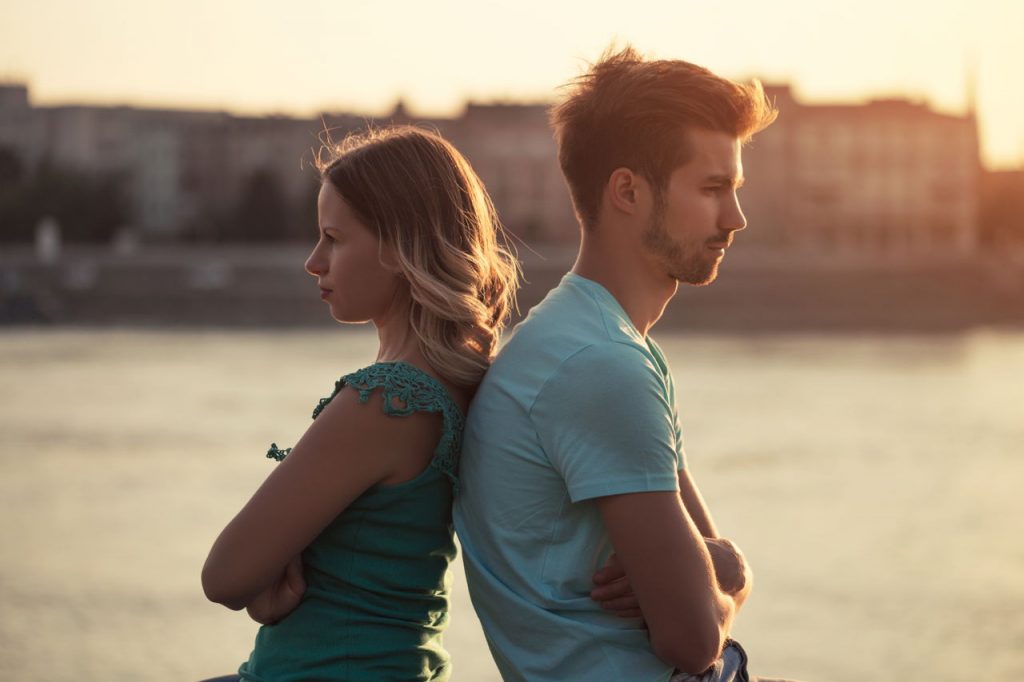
column 471, row 340
column 259, row 58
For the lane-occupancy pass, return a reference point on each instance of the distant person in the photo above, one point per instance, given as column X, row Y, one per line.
column 573, row 470
column 344, row 550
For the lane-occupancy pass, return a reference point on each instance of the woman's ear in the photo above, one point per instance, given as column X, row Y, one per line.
column 389, row 259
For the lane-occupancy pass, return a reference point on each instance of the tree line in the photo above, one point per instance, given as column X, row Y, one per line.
column 93, row 207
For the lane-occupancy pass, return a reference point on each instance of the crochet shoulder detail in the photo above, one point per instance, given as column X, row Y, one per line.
column 407, row 389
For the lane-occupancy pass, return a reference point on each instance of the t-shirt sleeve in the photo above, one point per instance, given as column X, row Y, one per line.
column 606, row 425
column 681, row 464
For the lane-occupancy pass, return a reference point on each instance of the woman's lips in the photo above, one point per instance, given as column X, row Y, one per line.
column 324, row 293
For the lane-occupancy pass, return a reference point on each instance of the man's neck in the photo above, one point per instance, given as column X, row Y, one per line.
column 641, row 291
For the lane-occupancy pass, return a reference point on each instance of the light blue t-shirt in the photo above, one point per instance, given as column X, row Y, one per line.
column 577, row 405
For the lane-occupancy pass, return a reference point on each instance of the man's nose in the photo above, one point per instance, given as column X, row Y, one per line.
column 733, row 219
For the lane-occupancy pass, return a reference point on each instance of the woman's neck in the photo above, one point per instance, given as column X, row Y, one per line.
column 397, row 340
column 399, row 343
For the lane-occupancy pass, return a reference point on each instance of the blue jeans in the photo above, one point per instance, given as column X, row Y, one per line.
column 730, row 667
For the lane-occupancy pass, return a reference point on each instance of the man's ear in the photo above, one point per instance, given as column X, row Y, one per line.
column 625, row 191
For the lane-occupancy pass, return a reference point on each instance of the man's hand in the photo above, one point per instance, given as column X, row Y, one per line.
column 613, row 591
column 731, row 569
column 281, row 598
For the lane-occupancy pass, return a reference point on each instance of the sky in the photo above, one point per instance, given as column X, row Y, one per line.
column 307, row 56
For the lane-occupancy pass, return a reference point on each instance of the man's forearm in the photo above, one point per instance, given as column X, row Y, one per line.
column 695, row 506
column 731, row 570
column 688, row 616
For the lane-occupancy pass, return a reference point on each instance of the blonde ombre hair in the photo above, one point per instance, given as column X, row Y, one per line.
column 424, row 200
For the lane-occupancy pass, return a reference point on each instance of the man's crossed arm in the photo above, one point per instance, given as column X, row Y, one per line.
column 687, row 582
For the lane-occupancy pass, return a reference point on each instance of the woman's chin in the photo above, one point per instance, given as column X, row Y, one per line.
column 342, row 318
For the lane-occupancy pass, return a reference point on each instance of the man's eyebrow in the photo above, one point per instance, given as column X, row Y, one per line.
column 726, row 180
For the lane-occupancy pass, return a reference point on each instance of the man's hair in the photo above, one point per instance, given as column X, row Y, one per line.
column 627, row 112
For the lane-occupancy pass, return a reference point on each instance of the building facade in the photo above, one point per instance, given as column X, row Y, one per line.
column 889, row 176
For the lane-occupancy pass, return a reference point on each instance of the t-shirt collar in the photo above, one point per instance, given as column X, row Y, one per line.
column 611, row 303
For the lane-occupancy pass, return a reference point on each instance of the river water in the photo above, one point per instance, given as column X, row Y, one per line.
column 874, row 483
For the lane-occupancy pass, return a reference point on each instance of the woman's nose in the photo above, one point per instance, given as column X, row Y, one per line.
column 314, row 264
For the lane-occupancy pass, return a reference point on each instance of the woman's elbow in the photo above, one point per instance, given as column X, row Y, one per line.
column 220, row 590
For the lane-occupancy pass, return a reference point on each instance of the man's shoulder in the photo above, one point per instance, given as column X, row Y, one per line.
column 570, row 318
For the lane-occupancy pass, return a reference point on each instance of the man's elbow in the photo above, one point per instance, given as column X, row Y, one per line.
column 692, row 651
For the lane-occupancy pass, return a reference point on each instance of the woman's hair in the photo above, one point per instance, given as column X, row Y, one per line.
column 424, row 200
column 630, row 113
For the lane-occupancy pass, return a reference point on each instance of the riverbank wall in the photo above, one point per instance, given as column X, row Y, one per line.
column 755, row 292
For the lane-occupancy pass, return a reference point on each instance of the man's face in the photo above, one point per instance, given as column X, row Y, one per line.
column 693, row 223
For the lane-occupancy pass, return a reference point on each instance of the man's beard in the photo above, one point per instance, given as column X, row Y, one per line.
column 683, row 262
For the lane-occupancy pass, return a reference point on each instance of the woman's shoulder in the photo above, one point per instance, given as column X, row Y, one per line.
column 379, row 393
column 430, row 419
column 405, row 387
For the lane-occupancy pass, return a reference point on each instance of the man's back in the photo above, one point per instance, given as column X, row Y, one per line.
column 578, row 405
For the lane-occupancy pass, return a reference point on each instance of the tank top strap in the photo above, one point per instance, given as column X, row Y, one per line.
column 406, row 389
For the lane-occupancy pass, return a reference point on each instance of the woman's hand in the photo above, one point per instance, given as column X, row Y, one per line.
column 281, row 598
column 613, row 591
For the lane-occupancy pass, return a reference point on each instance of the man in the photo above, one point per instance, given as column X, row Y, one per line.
column 572, row 450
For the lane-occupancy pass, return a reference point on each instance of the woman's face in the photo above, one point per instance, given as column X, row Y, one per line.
column 356, row 273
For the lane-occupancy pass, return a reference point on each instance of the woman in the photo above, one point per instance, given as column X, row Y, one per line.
column 343, row 551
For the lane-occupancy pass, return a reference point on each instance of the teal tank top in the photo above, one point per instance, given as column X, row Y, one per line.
column 377, row 579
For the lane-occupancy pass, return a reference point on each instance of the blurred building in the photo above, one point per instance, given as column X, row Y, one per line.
column 1002, row 208
column 180, row 168
column 888, row 176
column 513, row 151
column 21, row 128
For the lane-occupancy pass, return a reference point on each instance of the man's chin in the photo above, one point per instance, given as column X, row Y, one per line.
column 699, row 279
